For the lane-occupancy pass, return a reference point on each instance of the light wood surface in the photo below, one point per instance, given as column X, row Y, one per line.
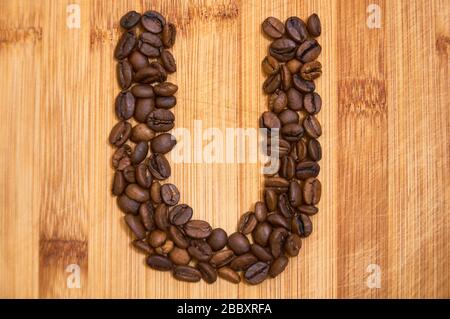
column 385, row 169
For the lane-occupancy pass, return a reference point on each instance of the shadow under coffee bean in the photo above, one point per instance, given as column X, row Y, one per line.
column 164, row 228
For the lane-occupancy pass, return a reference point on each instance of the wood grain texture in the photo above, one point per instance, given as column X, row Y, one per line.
column 386, row 142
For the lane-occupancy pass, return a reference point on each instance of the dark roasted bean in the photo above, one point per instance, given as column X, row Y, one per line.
column 136, row 226
column 301, row 225
column 273, row 27
column 209, row 273
column 278, row 266
column 125, row 103
column 314, row 25
column 247, row 223
column 180, row 214
column 159, row 262
column 170, row 194
column 229, row 274
column 218, row 239
column 197, row 229
column 257, row 273
column 296, row 29
column 159, row 166
column 130, row 20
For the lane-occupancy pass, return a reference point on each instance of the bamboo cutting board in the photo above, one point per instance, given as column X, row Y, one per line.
column 383, row 227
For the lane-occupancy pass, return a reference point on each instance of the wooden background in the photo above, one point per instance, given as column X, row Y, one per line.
column 385, row 170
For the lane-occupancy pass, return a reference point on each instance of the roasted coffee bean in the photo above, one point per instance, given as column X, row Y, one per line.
column 242, row 262
column 218, row 239
column 209, row 273
column 284, row 206
column 151, row 39
column 180, row 214
column 312, row 189
column 187, row 273
column 163, row 143
column 137, row 193
column 283, row 49
column 126, row 44
column 261, row 253
column 143, row 176
column 162, row 72
column 278, row 220
column 159, row 262
column 272, row 83
column 277, row 240
column 295, row 194
column 159, row 166
column 143, row 108
column 260, row 211
column 127, row 205
column 155, row 192
column 271, row 199
column 148, row 50
column 153, row 21
column 314, row 25
column 142, row 91
column 238, row 243
column 124, row 74
column 257, row 273
column 277, row 183
column 129, row 174
column 125, row 105
column 165, row 102
column 139, row 153
column 229, row 274
column 168, row 61
column 147, row 75
column 178, row 237
column 308, row 51
column 136, row 226
column 270, row 65
column 168, row 36
column 311, row 70
column 141, row 133
column 283, row 147
column 170, row 194
column 292, row 245
column 273, row 27
column 179, row 256
column 165, row 89
column 161, row 120
column 294, row 66
column 295, row 99
column 287, row 167
column 312, row 126
column 138, row 60
column 142, row 246
column 278, row 101
column 147, row 215
column 222, row 258
column 301, row 149
column 301, row 225
column 121, row 157
column 308, row 210
column 292, row 132
column 286, row 77
column 200, row 250
column 306, row 170
column 130, row 20
column 165, row 249
column 303, row 85
column 288, row 117
column 119, row 183
column 261, row 233
column 296, row 29
column 197, row 229
column 312, row 103
column 162, row 217
column 270, row 120
column 278, row 266
column 157, row 238
column 247, row 223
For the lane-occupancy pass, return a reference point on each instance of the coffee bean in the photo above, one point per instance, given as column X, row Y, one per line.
column 257, row 273
column 272, row 83
column 286, row 77
column 178, row 237
column 200, row 250
column 147, row 75
column 303, row 85
column 292, row 132
column 238, row 243
column 165, row 248
column 278, row 266
column 312, row 103
column 120, row 133
column 312, row 190
column 168, row 61
column 125, row 105
column 312, row 126
column 162, row 72
column 165, row 89
column 273, row 27
column 260, row 211
column 179, row 256
column 271, row 199
column 261, row 233
column 294, row 66
column 209, row 273
column 120, row 156
column 143, row 108
column 296, row 29
column 314, row 25
column 278, row 220
column 168, row 36
column 130, row 20
column 247, row 223
column 153, row 21
column 129, row 174
column 311, row 70
column 295, row 194
column 180, row 214
column 142, row 246
column 161, row 120
column 119, row 183
column 288, row 117
column 163, row 143
column 151, row 39
column 137, row 193
column 135, row 225
column 287, row 167
column 222, row 258
column 170, row 194
column 292, row 245
column 276, row 183
column 148, row 50
column 308, row 51
column 159, row 262
column 270, row 65
column 277, row 240
column 306, row 170
column 301, row 225
column 157, row 238
column 197, row 229
column 127, row 205
column 126, row 44
column 261, row 253
column 295, row 99
column 124, row 74
column 187, row 273
column 139, row 153
column 165, row 102
column 159, row 166
column 308, row 210
column 301, row 149
column 142, row 91
column 138, row 60
column 143, row 176
column 283, row 49
column 218, row 239
column 284, row 206
column 270, row 120
column 243, row 262
column 146, row 212
column 162, row 217
column 155, row 192
column 278, row 101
